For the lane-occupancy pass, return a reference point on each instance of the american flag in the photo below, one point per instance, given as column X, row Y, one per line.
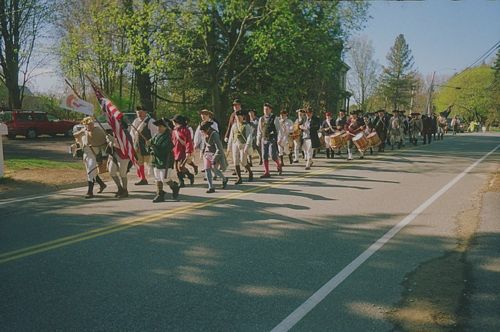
column 114, row 117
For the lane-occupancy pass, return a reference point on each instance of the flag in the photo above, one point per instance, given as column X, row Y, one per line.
column 73, row 103
column 114, row 117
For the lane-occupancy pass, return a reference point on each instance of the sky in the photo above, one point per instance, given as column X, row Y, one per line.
column 444, row 36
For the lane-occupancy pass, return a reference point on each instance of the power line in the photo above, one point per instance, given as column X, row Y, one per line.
column 483, row 56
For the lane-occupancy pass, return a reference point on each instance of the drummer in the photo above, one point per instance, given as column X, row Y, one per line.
column 369, row 127
column 340, row 125
column 328, row 129
column 353, row 126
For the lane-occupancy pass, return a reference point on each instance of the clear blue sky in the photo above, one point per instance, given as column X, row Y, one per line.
column 442, row 34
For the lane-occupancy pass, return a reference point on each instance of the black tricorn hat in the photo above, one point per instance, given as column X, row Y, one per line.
column 268, row 105
column 178, row 118
column 161, row 122
column 236, row 101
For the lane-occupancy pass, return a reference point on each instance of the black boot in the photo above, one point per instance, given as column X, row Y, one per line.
column 250, row 173
column 281, row 159
column 191, row 178
column 160, row 194
column 238, row 173
column 101, row 183
column 181, row 179
column 290, row 157
column 174, row 186
column 90, row 191
column 328, row 153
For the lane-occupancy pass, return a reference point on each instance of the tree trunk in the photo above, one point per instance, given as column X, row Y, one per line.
column 145, row 88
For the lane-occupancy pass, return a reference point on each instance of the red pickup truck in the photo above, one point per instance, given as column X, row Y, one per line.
column 31, row 124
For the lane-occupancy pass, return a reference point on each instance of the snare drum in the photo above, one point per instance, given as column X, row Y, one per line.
column 336, row 140
column 373, row 139
column 346, row 136
column 361, row 142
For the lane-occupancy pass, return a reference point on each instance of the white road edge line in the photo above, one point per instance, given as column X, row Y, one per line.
column 327, row 288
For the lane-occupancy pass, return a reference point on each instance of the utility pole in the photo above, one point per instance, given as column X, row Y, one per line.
column 429, row 100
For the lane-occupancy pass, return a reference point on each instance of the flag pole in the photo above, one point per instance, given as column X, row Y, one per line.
column 94, row 86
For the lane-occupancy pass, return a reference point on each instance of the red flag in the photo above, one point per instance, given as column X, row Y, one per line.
column 114, row 116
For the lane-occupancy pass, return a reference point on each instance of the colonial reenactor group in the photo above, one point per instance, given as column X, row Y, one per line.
column 171, row 152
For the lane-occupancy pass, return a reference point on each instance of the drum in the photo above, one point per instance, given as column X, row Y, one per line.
column 373, row 139
column 346, row 136
column 336, row 140
column 361, row 142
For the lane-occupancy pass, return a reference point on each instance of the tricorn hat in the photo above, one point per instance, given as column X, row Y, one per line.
column 207, row 112
column 236, row 101
column 178, row 118
column 161, row 122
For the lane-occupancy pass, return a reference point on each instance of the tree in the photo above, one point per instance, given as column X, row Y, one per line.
column 363, row 74
column 398, row 77
column 470, row 95
column 21, row 22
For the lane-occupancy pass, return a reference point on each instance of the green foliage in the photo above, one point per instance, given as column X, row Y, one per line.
column 201, row 54
column 475, row 100
column 399, row 76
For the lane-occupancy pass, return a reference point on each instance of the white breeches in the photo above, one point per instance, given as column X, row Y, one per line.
column 240, row 154
column 307, row 148
column 90, row 162
column 284, row 147
column 120, row 169
column 327, row 142
column 162, row 174
column 296, row 149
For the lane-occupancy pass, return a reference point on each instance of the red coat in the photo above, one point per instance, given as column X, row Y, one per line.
column 183, row 142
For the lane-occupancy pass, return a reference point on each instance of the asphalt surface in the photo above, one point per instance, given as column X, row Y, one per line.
column 243, row 259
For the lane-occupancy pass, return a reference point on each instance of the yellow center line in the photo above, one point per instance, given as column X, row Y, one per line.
column 65, row 241
column 128, row 223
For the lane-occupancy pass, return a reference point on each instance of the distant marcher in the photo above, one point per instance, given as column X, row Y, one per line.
column 141, row 130
column 161, row 150
column 183, row 148
column 214, row 158
column 267, row 139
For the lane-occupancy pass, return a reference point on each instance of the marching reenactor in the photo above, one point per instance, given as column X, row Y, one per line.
column 426, row 129
column 267, row 139
column 118, row 165
column 93, row 142
column 434, row 125
column 328, row 129
column 441, row 126
column 142, row 130
column 395, row 130
column 340, row 123
column 232, row 118
column 240, row 139
column 297, row 134
column 183, row 148
column 161, row 150
column 214, row 159
column 310, row 138
column 254, row 122
column 353, row 126
column 381, row 125
column 284, row 137
column 415, row 127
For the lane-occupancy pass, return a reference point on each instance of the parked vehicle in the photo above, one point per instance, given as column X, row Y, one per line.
column 32, row 124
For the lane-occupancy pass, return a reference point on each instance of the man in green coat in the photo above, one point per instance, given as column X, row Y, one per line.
column 160, row 148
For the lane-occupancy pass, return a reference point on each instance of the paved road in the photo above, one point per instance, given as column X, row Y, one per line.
column 243, row 259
